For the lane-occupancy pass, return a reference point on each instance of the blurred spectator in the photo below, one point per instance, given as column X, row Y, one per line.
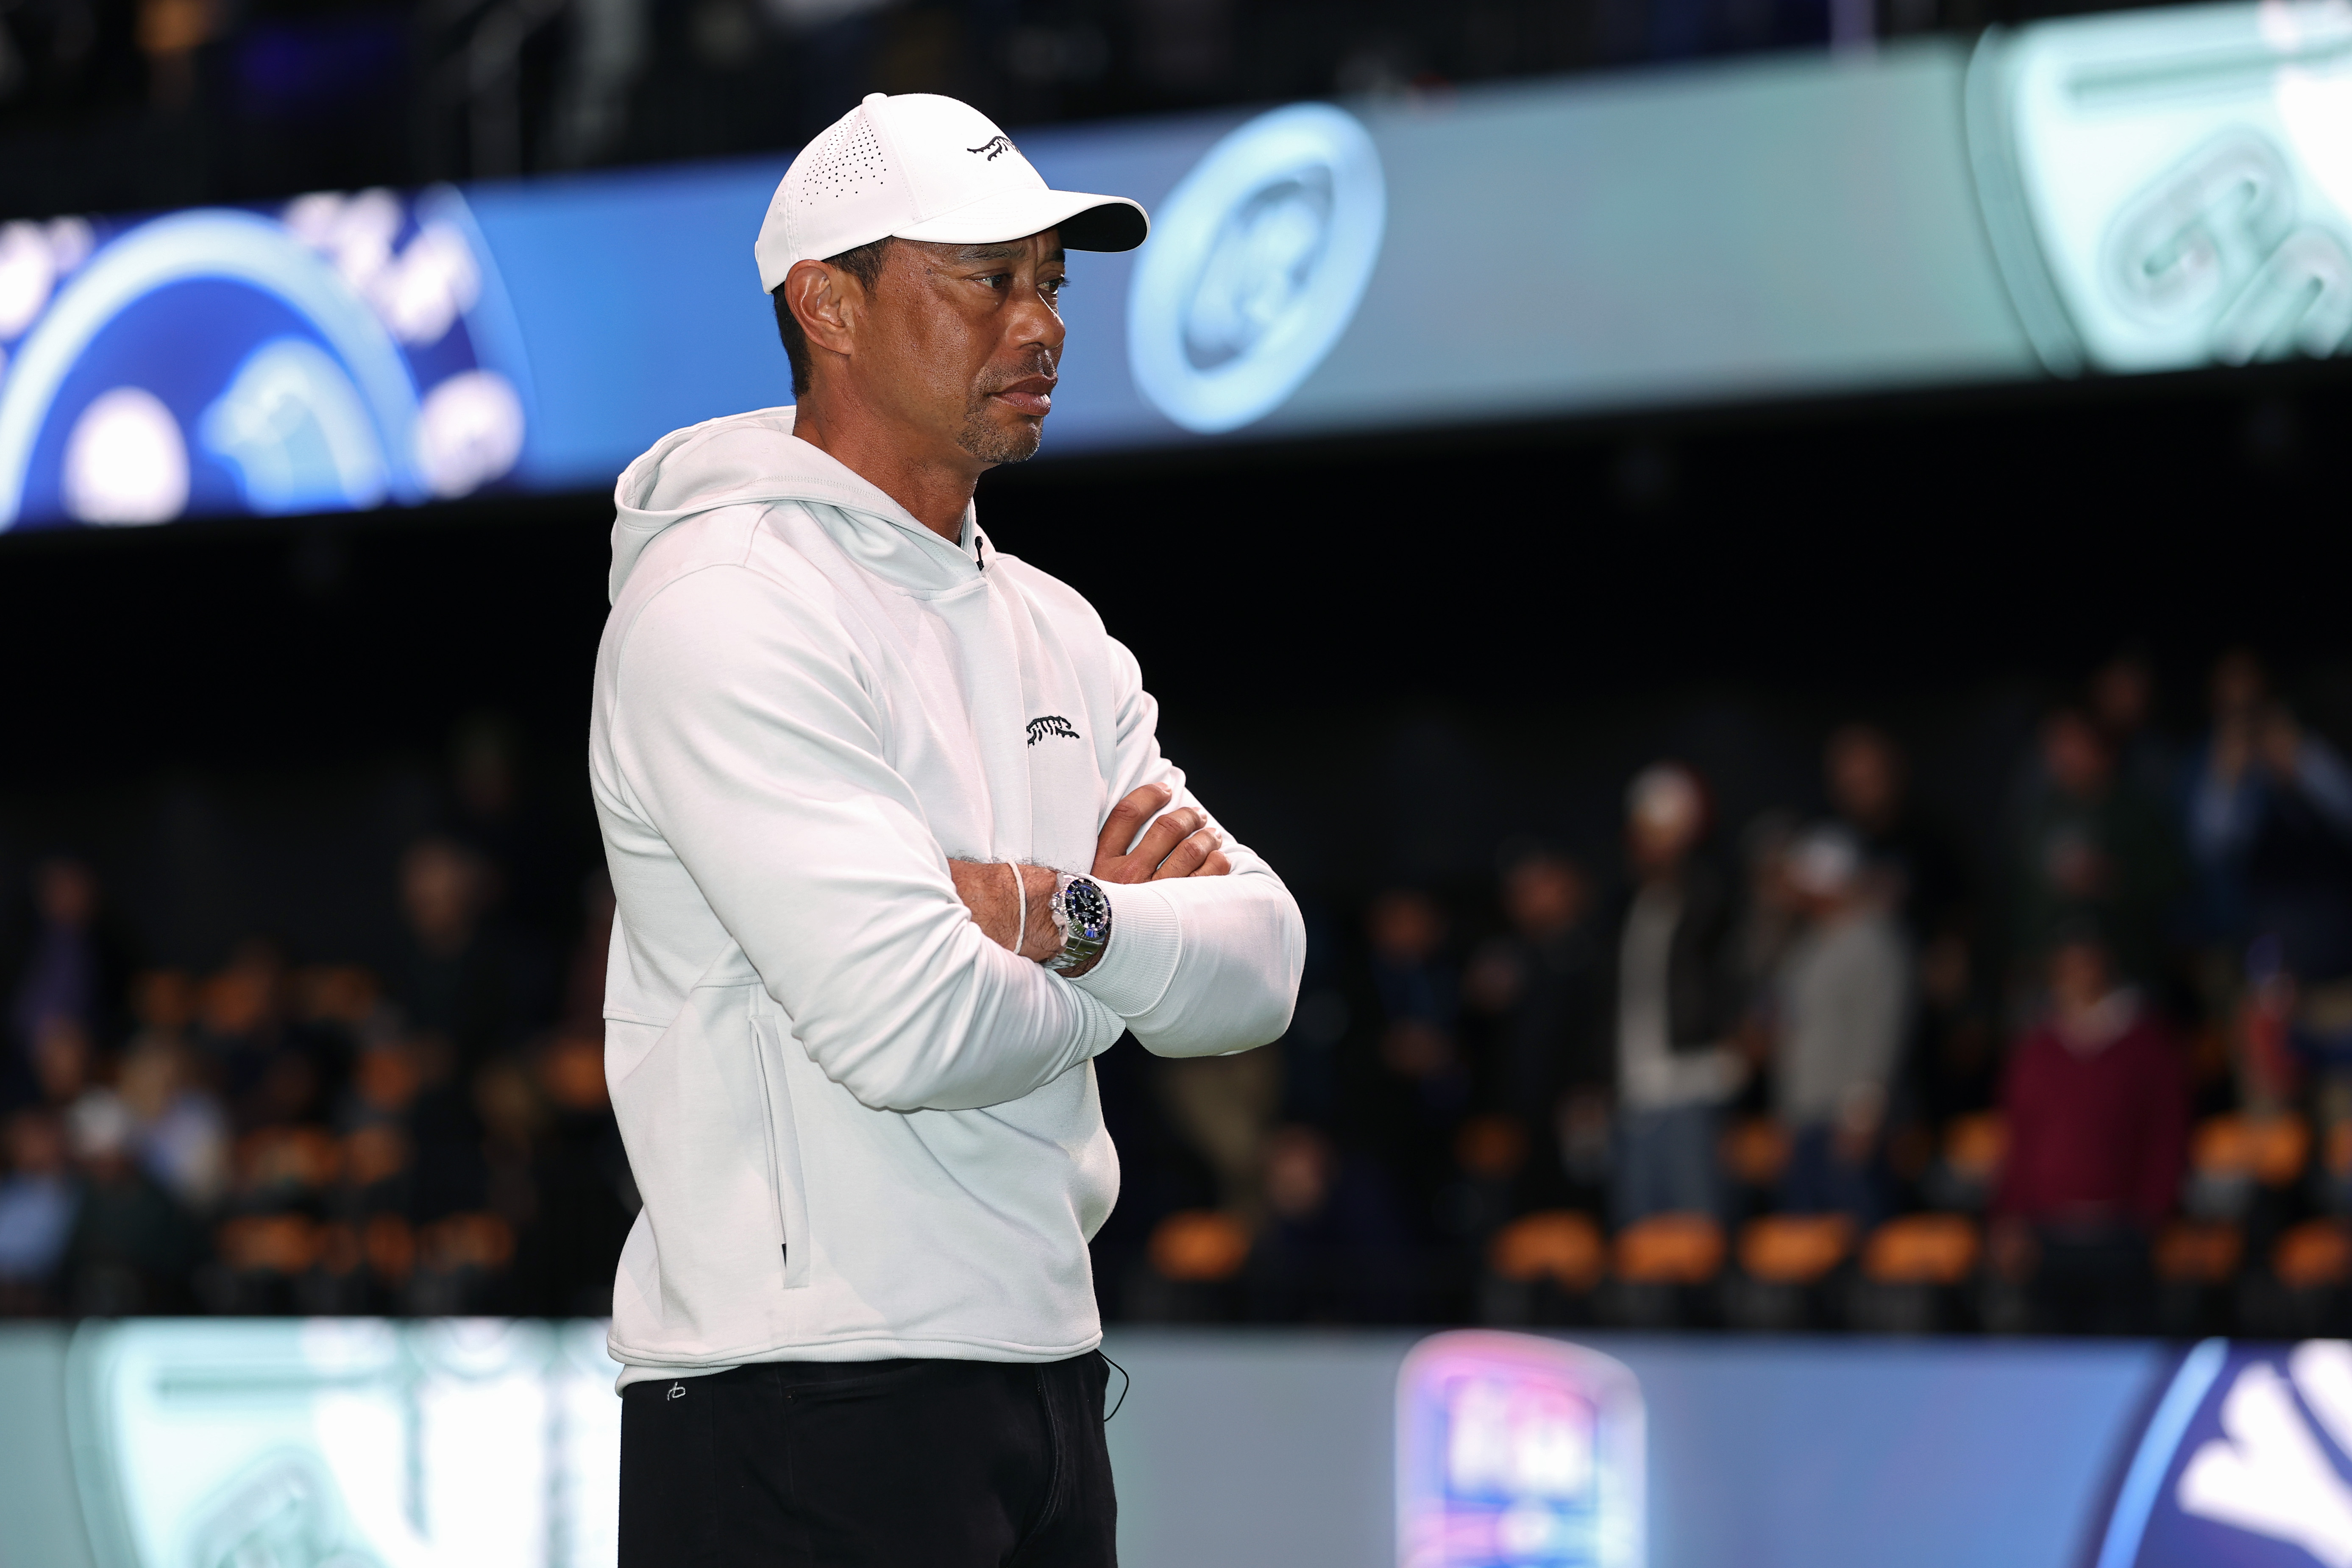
column 1407, row 1098
column 1843, row 994
column 456, row 982
column 1678, row 1009
column 524, row 892
column 1538, row 984
column 2236, row 692
column 179, row 1131
column 71, row 969
column 2091, row 850
column 63, row 1061
column 1222, row 1108
column 1950, row 1062
column 131, row 1249
column 2122, row 695
column 1771, row 913
column 1331, row 1249
column 1869, row 787
column 269, row 1071
column 38, row 1201
column 2271, row 822
column 2097, row 1114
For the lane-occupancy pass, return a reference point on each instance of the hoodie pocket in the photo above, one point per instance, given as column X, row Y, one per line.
column 769, row 1042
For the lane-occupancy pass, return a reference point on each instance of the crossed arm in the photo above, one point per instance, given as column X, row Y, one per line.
column 1179, row 844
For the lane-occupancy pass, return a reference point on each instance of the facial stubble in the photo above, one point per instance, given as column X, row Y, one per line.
column 991, row 443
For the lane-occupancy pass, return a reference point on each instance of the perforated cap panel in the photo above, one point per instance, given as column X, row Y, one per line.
column 849, row 163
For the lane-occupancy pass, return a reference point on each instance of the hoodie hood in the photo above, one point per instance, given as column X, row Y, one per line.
column 754, row 459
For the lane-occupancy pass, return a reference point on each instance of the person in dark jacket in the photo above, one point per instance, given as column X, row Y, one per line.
column 1677, row 1012
column 1536, row 981
column 68, row 971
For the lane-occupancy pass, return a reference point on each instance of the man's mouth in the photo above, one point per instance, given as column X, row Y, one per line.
column 1033, row 395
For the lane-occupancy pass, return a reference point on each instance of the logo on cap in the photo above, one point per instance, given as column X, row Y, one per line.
column 1259, row 258
column 993, row 146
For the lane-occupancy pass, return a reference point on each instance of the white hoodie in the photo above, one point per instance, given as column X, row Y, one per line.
column 861, row 1128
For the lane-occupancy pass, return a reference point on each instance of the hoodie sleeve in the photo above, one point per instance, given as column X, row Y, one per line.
column 1198, row 967
column 744, row 734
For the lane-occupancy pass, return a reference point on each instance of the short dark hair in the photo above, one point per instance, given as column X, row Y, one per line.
column 862, row 263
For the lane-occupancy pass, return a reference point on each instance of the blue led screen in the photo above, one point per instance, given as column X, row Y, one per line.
column 2127, row 193
column 449, row 1444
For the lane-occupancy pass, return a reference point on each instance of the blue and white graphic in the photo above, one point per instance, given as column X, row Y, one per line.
column 347, row 352
column 1517, row 1452
column 2247, row 1461
column 346, row 1443
column 1257, row 263
column 2174, row 188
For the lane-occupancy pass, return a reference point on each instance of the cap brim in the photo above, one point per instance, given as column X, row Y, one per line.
column 1087, row 222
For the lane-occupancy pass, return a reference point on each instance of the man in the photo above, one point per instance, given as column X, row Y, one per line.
column 2091, row 850
column 1844, row 992
column 1539, row 984
column 1677, row 1011
column 2097, row 1107
column 896, row 854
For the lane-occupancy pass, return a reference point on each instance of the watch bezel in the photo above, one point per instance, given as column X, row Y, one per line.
column 1084, row 936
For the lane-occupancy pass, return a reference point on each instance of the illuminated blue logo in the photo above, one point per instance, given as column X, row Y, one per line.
column 1256, row 262
column 2247, row 1460
column 332, row 356
column 1517, row 1452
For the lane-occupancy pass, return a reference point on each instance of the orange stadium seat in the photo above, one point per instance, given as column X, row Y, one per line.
column 1922, row 1249
column 2271, row 1150
column 1558, row 1245
column 270, row 1244
column 1670, row 1249
column 1198, row 1245
column 2338, row 1147
column 2199, row 1252
column 2314, row 1255
column 1795, row 1249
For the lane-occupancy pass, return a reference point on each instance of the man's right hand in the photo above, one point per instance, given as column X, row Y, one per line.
column 1180, row 844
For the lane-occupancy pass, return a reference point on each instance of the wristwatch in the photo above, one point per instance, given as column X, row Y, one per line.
column 1082, row 914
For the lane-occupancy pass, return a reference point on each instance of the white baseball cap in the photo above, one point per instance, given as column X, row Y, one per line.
column 922, row 167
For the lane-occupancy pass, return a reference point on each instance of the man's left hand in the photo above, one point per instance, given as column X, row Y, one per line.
column 1180, row 844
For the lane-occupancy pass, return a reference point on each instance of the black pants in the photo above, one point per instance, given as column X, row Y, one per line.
column 872, row 1464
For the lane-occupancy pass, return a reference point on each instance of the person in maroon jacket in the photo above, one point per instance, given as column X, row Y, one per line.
column 2097, row 1106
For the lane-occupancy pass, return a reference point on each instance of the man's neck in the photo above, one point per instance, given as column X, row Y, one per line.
column 934, row 487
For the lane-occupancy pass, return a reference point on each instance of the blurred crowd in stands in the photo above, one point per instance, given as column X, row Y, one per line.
column 1825, row 1068
column 1817, row 1069
column 319, row 1139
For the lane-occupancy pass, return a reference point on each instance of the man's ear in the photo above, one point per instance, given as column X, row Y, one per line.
column 828, row 301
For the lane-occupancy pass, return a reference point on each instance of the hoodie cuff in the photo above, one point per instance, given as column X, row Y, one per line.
column 1146, row 938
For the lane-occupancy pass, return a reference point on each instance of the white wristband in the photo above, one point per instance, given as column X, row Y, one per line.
column 1020, row 902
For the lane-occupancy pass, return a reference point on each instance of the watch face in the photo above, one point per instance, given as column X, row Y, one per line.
column 1089, row 912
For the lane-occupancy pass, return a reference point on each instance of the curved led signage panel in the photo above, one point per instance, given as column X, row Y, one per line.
column 2113, row 193
column 339, row 353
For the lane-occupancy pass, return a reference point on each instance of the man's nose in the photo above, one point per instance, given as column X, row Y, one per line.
column 1038, row 323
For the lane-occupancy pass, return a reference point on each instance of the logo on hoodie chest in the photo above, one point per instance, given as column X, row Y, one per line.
column 1051, row 726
